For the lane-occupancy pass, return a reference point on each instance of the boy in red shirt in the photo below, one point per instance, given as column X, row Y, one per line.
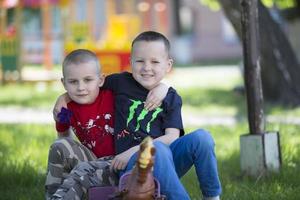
column 89, row 114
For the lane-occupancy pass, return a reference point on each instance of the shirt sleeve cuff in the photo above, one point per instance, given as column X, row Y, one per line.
column 61, row 127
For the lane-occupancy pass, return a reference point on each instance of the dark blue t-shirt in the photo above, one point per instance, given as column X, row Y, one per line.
column 132, row 122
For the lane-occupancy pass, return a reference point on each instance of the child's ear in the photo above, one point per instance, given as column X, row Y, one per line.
column 130, row 60
column 170, row 64
column 63, row 82
column 101, row 80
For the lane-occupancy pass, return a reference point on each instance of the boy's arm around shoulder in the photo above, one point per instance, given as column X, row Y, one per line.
column 156, row 96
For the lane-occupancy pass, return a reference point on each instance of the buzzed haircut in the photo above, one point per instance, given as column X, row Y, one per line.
column 79, row 56
column 151, row 36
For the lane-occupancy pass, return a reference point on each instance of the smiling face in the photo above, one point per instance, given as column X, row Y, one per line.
column 150, row 62
column 82, row 81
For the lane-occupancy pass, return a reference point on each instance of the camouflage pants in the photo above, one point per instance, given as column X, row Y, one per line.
column 69, row 175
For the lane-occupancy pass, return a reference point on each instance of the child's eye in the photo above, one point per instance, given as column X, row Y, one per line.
column 155, row 62
column 139, row 61
column 72, row 81
column 88, row 80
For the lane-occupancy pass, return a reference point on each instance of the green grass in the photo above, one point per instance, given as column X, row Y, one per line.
column 23, row 157
column 284, row 185
column 24, row 148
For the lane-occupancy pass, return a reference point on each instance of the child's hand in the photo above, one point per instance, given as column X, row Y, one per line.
column 61, row 102
column 120, row 161
column 156, row 96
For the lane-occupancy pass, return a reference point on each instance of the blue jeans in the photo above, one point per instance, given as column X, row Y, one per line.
column 171, row 163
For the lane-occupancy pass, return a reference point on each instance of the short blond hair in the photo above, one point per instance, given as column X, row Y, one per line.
column 81, row 56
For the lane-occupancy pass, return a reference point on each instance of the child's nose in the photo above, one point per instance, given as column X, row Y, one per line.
column 147, row 66
column 81, row 85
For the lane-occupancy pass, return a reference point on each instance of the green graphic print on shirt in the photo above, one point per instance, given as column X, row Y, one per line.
column 133, row 108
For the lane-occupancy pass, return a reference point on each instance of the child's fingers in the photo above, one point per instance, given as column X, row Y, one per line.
column 151, row 107
column 154, row 100
column 112, row 165
column 152, row 103
column 117, row 165
column 147, row 105
column 121, row 166
column 150, row 97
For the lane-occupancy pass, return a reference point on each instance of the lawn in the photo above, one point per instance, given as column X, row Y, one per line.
column 24, row 147
column 23, row 152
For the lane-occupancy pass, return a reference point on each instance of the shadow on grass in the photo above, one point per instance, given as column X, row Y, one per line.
column 23, row 157
column 20, row 181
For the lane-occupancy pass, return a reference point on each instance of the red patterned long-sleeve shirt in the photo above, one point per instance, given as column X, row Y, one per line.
column 92, row 124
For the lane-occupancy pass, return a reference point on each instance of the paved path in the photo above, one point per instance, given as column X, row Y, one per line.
column 44, row 116
column 25, row 115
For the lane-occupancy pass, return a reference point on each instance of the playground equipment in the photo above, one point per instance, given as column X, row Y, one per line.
column 113, row 45
column 10, row 41
column 113, row 50
column 105, row 27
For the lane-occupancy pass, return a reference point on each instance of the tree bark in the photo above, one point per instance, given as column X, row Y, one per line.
column 252, row 72
column 280, row 67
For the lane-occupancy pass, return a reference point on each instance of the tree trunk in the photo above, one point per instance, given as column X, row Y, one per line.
column 280, row 67
column 252, row 70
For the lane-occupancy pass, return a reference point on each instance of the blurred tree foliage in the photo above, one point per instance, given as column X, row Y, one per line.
column 282, row 4
column 289, row 9
column 279, row 64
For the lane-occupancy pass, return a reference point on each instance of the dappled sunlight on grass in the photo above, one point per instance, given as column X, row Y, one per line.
column 23, row 152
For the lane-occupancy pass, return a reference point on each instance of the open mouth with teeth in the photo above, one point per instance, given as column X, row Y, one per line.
column 82, row 95
column 147, row 75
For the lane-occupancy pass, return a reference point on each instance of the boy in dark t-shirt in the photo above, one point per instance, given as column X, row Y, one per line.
column 133, row 122
column 150, row 62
